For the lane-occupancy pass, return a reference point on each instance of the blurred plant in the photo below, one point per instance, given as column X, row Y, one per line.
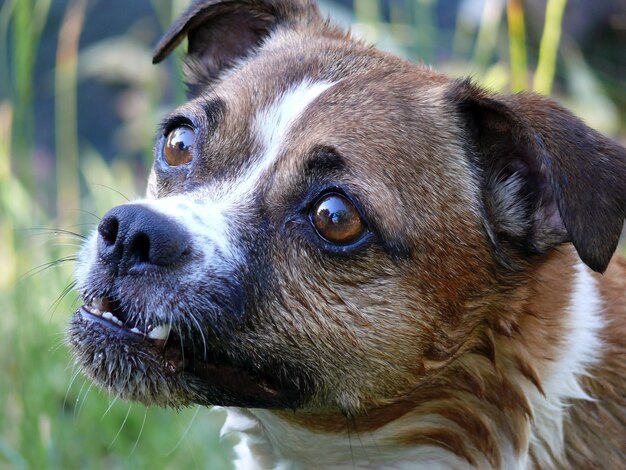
column 28, row 18
column 68, row 192
column 51, row 417
column 517, row 45
column 549, row 46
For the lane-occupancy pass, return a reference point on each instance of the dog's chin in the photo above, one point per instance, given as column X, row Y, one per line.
column 165, row 372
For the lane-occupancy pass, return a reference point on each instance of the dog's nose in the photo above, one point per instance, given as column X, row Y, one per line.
column 133, row 237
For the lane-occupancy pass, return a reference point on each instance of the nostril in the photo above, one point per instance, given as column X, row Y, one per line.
column 139, row 248
column 132, row 237
column 108, row 229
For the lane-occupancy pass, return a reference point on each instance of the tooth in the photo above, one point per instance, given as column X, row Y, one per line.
column 136, row 331
column 107, row 315
column 160, row 332
column 95, row 311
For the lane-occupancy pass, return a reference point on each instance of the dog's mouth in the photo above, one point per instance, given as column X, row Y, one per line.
column 112, row 315
column 154, row 363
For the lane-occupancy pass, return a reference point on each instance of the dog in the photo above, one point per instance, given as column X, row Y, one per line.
column 369, row 264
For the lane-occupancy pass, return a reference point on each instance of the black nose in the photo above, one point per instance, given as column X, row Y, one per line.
column 134, row 237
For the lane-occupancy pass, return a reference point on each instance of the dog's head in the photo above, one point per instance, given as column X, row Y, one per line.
column 328, row 225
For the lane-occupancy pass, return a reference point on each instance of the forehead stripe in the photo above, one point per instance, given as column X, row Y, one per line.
column 272, row 125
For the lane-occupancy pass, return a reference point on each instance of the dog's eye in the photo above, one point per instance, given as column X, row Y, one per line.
column 337, row 220
column 179, row 145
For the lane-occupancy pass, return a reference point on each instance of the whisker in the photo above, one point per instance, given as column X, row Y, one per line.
column 374, row 442
column 358, row 435
column 121, row 427
column 111, row 403
column 59, row 344
column 50, row 264
column 201, row 331
column 143, row 423
column 76, row 302
column 74, row 376
column 54, row 231
column 185, row 432
column 112, row 189
column 182, row 349
column 350, row 441
column 76, row 405
column 69, row 243
column 69, row 288
column 89, row 213
column 84, row 398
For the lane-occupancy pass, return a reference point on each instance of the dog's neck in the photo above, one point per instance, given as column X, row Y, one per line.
column 498, row 413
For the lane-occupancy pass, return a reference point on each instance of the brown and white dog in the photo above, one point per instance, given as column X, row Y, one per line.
column 370, row 264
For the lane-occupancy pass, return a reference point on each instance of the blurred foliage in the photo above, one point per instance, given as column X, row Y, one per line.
column 50, row 417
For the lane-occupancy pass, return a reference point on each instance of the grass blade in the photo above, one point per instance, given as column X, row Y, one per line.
column 517, row 45
column 548, row 47
column 65, row 110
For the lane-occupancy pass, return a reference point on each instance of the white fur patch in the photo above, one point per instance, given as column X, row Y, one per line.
column 580, row 349
column 206, row 223
column 272, row 125
column 266, row 441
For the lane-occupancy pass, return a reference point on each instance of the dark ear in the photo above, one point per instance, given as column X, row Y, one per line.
column 222, row 32
column 547, row 178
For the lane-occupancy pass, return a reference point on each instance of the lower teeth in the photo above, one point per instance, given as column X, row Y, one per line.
column 160, row 332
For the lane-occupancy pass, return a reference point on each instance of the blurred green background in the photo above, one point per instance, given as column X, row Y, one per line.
column 79, row 102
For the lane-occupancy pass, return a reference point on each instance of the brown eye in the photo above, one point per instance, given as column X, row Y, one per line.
column 336, row 219
column 179, row 145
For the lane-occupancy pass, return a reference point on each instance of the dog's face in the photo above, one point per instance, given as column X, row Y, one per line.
column 327, row 226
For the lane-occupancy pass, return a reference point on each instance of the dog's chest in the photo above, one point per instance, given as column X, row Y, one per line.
column 267, row 442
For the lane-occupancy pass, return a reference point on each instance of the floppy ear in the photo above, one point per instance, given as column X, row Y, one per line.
column 546, row 178
column 221, row 32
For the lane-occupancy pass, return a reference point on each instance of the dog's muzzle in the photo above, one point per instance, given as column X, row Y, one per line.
column 135, row 241
column 157, row 324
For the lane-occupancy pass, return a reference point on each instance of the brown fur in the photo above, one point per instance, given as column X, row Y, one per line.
column 451, row 317
column 477, row 393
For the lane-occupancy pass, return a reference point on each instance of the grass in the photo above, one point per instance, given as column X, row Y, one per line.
column 50, row 417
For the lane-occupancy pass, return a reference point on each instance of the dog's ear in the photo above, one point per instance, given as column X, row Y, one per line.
column 546, row 177
column 222, row 32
